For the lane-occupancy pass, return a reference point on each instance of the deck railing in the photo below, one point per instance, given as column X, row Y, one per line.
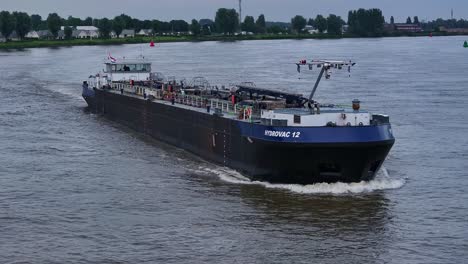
column 226, row 107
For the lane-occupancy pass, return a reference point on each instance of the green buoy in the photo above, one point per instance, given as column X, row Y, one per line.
column 465, row 45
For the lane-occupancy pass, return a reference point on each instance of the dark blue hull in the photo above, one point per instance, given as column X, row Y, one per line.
column 276, row 154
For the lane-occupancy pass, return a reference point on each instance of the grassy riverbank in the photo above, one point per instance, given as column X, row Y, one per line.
column 157, row 39
column 163, row 39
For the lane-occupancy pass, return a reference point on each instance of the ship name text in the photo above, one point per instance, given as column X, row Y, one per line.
column 282, row 134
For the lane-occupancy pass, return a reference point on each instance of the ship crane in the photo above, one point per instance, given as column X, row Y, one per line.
column 326, row 66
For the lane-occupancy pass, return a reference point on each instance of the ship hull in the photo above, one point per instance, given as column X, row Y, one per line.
column 275, row 154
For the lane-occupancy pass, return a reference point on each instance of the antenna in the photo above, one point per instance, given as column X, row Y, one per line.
column 452, row 13
column 326, row 66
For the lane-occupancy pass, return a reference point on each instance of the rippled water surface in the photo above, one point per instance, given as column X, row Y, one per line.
column 77, row 188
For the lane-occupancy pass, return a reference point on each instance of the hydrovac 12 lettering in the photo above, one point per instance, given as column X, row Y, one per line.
column 282, row 134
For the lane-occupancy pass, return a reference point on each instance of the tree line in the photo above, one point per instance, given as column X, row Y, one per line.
column 447, row 23
column 16, row 21
column 332, row 24
column 226, row 21
column 364, row 22
column 360, row 22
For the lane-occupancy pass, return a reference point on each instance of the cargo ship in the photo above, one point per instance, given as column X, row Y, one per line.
column 265, row 134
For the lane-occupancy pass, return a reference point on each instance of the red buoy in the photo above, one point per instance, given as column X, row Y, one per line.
column 152, row 43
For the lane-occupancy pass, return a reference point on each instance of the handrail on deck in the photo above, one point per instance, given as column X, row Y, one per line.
column 244, row 112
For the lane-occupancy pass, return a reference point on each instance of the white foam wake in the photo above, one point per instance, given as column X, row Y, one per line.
column 381, row 182
column 72, row 90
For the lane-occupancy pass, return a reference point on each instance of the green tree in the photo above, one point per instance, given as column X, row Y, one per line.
column 275, row 29
column 22, row 23
column 260, row 24
column 408, row 20
column 53, row 24
column 156, row 26
column 179, row 26
column 377, row 21
column 298, row 23
column 68, row 31
column 311, row 22
column 335, row 25
column 95, row 23
column 392, row 20
column 118, row 25
column 364, row 22
column 36, row 21
column 195, row 27
column 249, row 24
column 105, row 26
column 321, row 23
column 88, row 21
column 146, row 24
column 416, row 20
column 7, row 23
column 127, row 21
column 226, row 21
column 137, row 24
column 73, row 21
column 166, row 26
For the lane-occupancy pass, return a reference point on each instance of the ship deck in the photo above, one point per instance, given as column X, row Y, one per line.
column 242, row 112
column 323, row 110
column 178, row 105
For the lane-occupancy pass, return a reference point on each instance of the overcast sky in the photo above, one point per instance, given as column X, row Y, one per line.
column 274, row 10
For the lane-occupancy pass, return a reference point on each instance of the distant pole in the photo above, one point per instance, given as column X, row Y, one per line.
column 240, row 12
column 452, row 13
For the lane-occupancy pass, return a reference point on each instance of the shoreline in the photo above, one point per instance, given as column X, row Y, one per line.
column 25, row 44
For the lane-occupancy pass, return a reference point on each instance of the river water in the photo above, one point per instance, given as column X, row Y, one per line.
column 77, row 188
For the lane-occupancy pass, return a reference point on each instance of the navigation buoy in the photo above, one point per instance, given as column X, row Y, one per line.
column 465, row 45
column 152, row 43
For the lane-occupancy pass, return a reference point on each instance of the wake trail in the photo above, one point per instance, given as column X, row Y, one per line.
column 381, row 182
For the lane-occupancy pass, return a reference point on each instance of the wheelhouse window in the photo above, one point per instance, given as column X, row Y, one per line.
column 132, row 67
column 119, row 67
column 129, row 67
column 142, row 67
column 139, row 67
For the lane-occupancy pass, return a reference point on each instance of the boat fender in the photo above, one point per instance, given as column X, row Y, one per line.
column 247, row 113
column 361, row 124
column 348, row 124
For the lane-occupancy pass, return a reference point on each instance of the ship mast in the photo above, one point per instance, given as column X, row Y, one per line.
column 326, row 66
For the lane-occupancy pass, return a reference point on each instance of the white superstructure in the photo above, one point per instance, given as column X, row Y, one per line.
column 127, row 70
column 323, row 117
